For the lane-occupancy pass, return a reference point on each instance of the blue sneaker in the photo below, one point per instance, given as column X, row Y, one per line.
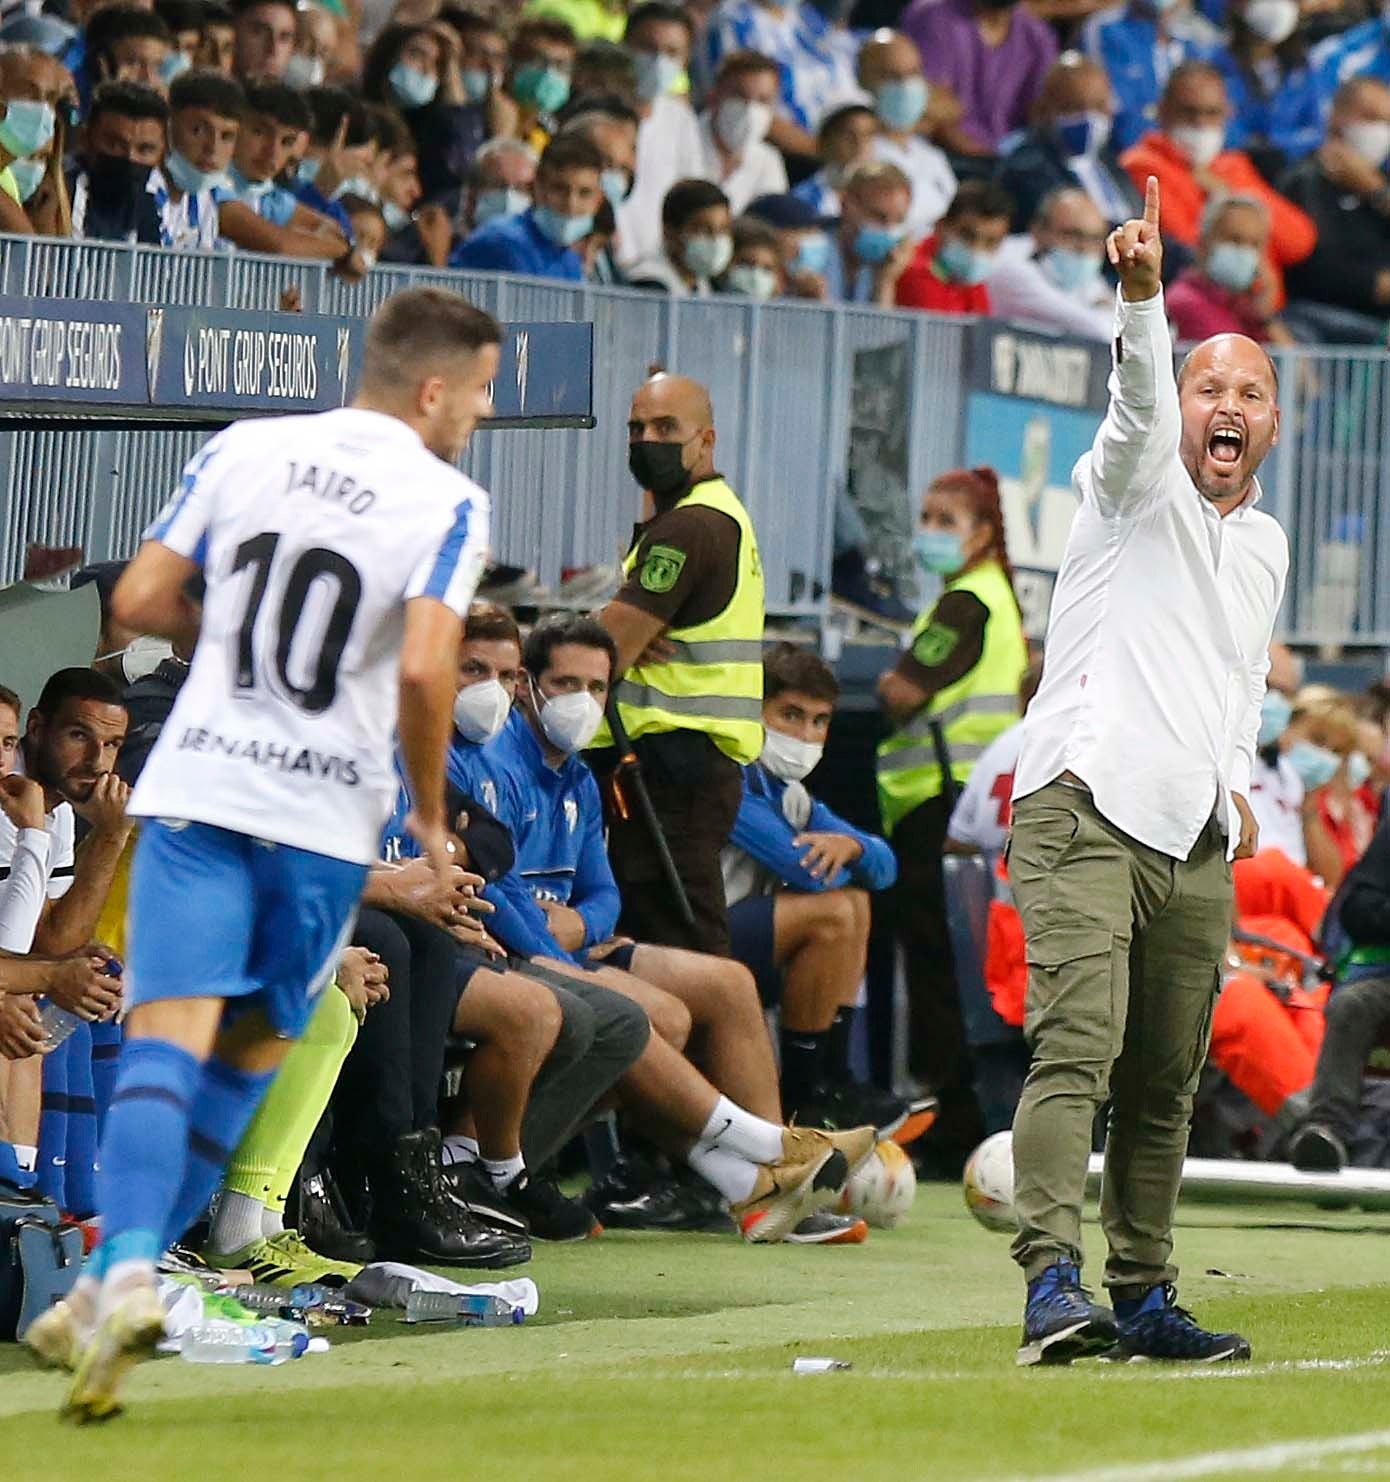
column 1155, row 1327
column 1061, row 1322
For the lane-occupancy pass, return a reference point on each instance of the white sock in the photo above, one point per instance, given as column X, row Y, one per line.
column 502, row 1171
column 733, row 1176
column 25, row 1155
column 737, row 1131
column 272, row 1220
column 460, row 1149
column 237, row 1222
column 121, row 1279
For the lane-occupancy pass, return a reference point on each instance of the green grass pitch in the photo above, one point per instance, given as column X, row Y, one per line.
column 669, row 1358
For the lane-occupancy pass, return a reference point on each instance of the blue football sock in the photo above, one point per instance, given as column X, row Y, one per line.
column 226, row 1101
column 51, row 1163
column 82, row 1128
column 145, row 1148
column 106, row 1052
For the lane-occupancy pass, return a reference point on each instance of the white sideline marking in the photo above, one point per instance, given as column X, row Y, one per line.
column 1213, row 1463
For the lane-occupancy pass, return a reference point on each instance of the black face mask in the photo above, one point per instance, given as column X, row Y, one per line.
column 114, row 181
column 658, row 467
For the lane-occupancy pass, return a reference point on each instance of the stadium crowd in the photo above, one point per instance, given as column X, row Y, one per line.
column 943, row 155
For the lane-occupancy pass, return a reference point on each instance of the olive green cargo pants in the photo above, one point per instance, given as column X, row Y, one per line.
column 1124, row 953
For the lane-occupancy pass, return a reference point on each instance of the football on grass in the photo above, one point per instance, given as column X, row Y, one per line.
column 989, row 1183
column 882, row 1188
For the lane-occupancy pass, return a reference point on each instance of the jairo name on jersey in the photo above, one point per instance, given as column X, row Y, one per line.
column 271, row 754
column 330, row 484
column 251, row 362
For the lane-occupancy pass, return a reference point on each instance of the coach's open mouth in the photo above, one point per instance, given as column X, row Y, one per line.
column 1225, row 445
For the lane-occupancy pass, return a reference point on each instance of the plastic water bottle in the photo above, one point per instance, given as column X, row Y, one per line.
column 268, row 1342
column 59, row 1023
column 294, row 1303
column 470, row 1309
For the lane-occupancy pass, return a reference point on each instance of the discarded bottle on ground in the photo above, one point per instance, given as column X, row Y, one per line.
column 471, row 1309
column 268, row 1342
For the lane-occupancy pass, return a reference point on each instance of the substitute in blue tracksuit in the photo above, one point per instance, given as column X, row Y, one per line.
column 798, row 877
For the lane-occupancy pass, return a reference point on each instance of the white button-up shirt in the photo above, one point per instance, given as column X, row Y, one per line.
column 1157, row 644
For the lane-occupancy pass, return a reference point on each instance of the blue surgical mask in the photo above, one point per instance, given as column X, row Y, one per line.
column 174, row 65
column 1073, row 272
column 28, row 176
column 962, row 264
column 1276, row 711
column 477, row 83
column 412, row 88
column 1232, row 266
column 657, row 74
column 26, row 127
column 940, row 551
column 1316, row 765
column 359, row 186
column 812, row 254
column 872, row 244
column 900, row 104
column 246, row 190
column 546, row 89
column 616, row 185
column 307, row 171
column 562, row 230
column 494, row 203
column 187, row 177
column 1082, row 133
column 397, row 218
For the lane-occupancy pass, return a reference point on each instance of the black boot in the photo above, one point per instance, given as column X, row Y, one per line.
column 413, row 1218
column 322, row 1221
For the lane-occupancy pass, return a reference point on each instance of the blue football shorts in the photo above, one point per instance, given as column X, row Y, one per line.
column 217, row 914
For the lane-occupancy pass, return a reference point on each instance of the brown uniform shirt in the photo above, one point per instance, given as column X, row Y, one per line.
column 686, row 569
column 951, row 644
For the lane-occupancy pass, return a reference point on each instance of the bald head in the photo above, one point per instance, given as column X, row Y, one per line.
column 1235, row 350
column 1074, row 85
column 673, row 410
column 1228, row 392
column 888, row 56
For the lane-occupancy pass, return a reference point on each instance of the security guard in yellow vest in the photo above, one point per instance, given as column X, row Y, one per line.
column 954, row 689
column 688, row 623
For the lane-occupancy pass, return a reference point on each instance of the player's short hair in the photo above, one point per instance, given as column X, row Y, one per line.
column 207, row 89
column 129, row 100
column 980, row 198
column 490, row 622
column 555, row 632
column 791, row 666
column 8, row 697
column 688, row 198
column 419, row 329
column 77, row 684
column 282, row 103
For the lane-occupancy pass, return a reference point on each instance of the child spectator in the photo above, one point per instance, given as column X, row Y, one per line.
column 697, row 243
column 756, row 268
column 216, row 51
column 844, row 141
column 204, row 119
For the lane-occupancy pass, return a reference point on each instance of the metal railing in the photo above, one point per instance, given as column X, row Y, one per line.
column 781, row 378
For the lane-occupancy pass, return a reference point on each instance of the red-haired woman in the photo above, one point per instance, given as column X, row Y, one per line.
column 953, row 690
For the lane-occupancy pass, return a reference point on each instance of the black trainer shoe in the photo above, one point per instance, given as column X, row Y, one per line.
column 530, row 1204
column 1155, row 1327
column 470, row 1185
column 1061, row 1322
column 633, row 1196
column 898, row 1119
column 1317, row 1149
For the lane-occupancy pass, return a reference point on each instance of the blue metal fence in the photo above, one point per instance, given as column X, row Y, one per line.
column 781, row 378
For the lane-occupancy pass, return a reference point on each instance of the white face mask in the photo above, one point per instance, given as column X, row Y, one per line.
column 1358, row 768
column 1272, row 20
column 741, row 124
column 481, row 710
column 1200, row 145
column 570, row 722
column 1369, row 139
column 141, row 656
column 786, row 757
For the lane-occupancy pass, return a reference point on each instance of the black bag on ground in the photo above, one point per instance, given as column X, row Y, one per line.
column 39, row 1258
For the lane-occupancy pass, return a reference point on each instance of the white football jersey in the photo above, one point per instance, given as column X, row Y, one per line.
column 312, row 532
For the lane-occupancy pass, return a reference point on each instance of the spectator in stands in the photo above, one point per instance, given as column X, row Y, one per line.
column 993, row 55
column 697, row 241
column 128, row 44
column 844, row 141
column 26, row 129
column 801, row 237
column 418, row 70
column 265, row 36
column 1229, row 289
column 400, row 191
column 36, row 77
column 1277, row 115
column 1137, row 45
column 816, row 67
column 611, row 127
column 1276, row 789
column 1052, row 276
column 184, row 19
column 1344, row 189
column 1188, row 154
column 483, row 59
column 500, row 183
column 948, row 271
column 733, row 128
column 890, row 68
column 260, row 215
column 1320, row 736
column 370, row 233
column 755, row 271
column 542, row 63
column 541, row 239
column 1363, row 51
column 669, row 147
column 339, row 156
column 122, row 146
column 1070, row 144
column 217, row 42
column 872, row 247
column 204, row 118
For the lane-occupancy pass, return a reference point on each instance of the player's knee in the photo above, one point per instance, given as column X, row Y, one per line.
column 670, row 1019
column 836, row 917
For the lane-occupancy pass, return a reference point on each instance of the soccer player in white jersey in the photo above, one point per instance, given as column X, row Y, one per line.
column 339, row 553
